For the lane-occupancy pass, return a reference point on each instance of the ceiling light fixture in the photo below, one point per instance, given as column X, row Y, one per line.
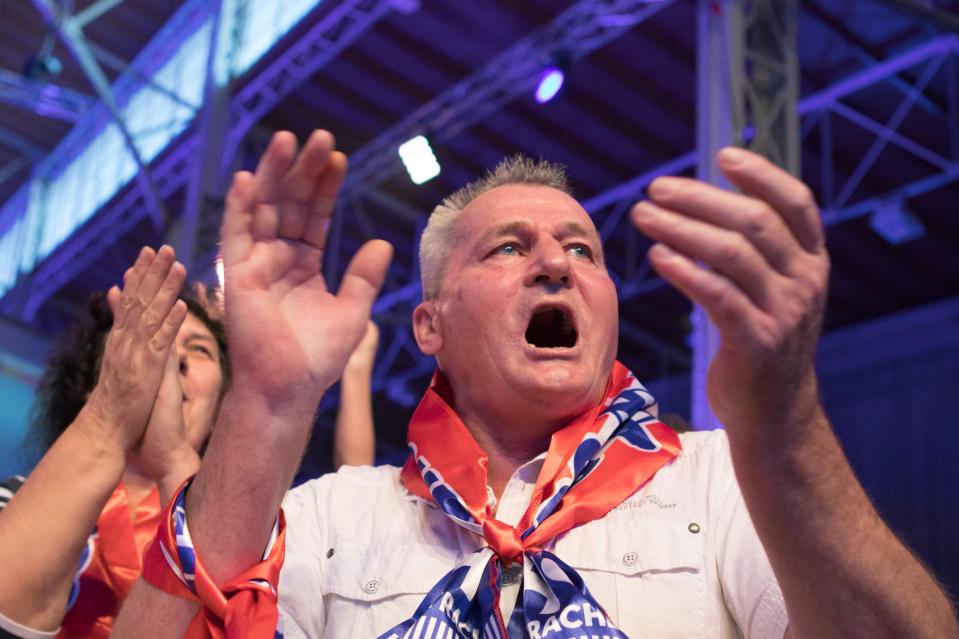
column 552, row 78
column 419, row 159
column 550, row 82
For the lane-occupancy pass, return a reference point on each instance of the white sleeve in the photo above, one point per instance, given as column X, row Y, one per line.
column 300, row 589
column 18, row 630
column 750, row 589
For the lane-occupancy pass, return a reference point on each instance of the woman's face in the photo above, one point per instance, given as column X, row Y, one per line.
column 201, row 378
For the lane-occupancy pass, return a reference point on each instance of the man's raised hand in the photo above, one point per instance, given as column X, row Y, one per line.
column 290, row 337
column 764, row 286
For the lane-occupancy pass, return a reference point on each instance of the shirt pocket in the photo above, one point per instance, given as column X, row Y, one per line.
column 649, row 574
column 369, row 588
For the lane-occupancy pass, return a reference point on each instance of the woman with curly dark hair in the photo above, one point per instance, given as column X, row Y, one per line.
column 124, row 408
column 71, row 371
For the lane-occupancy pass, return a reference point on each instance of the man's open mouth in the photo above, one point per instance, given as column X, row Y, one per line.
column 551, row 328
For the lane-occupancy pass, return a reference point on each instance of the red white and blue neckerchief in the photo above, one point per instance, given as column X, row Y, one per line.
column 245, row 607
column 592, row 465
column 109, row 564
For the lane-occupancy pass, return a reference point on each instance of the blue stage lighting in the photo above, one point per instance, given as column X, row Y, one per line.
column 419, row 160
column 550, row 82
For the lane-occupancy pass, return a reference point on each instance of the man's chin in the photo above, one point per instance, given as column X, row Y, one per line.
column 558, row 382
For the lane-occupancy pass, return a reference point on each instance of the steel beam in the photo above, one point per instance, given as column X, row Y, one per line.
column 881, row 72
column 870, row 54
column 323, row 42
column 43, row 98
column 206, row 179
column 926, row 10
column 912, row 189
column 887, row 132
column 71, row 34
column 891, row 135
column 174, row 171
column 13, row 167
column 581, row 29
column 118, row 64
column 104, row 230
column 94, row 11
column 20, row 144
column 748, row 82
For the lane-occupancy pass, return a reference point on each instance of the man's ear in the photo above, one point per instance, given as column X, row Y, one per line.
column 426, row 328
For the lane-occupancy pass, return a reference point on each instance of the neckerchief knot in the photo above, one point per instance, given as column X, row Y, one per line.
column 592, row 465
column 504, row 540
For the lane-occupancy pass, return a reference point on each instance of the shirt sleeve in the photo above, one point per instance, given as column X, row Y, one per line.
column 11, row 629
column 750, row 589
column 8, row 487
column 301, row 579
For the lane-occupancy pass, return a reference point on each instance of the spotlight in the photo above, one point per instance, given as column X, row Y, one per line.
column 419, row 160
column 550, row 82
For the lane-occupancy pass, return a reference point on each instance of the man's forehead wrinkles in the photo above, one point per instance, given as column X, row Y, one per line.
column 506, row 228
column 568, row 228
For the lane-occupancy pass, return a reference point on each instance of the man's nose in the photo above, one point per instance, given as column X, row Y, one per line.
column 550, row 264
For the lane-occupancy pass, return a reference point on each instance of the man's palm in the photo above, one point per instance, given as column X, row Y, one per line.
column 288, row 333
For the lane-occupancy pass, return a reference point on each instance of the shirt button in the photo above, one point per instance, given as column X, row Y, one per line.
column 371, row 586
column 509, row 578
column 630, row 558
column 694, row 528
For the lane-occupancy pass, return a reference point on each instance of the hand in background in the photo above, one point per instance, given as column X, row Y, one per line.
column 210, row 299
column 354, row 440
column 361, row 359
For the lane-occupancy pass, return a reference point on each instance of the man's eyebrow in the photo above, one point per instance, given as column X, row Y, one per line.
column 507, row 228
column 201, row 336
column 519, row 226
column 575, row 228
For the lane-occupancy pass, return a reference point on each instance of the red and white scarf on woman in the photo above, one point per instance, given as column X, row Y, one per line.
column 592, row 465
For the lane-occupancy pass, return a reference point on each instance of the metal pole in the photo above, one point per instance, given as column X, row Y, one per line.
column 747, row 81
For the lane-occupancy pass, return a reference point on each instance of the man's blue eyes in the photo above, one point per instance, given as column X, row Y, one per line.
column 577, row 249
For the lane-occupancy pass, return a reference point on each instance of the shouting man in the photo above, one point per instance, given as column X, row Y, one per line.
column 542, row 497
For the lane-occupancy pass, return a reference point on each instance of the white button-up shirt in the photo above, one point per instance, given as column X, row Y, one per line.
column 679, row 558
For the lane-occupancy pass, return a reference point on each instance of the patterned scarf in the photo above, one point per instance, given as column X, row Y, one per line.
column 243, row 608
column 109, row 564
column 592, row 465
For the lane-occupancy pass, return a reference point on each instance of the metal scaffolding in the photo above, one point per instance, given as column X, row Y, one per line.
column 763, row 103
column 747, row 93
column 402, row 362
column 178, row 165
